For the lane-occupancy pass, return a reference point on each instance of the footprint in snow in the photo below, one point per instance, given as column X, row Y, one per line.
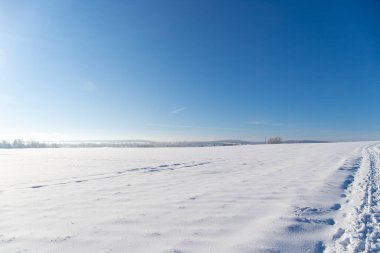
column 338, row 234
column 315, row 211
column 319, row 247
column 327, row 221
column 37, row 186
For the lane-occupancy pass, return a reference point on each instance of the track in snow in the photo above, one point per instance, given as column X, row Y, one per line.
column 359, row 229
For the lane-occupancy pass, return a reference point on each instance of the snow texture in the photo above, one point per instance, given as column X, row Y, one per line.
column 263, row 198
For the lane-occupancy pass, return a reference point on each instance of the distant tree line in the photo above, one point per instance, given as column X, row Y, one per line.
column 18, row 143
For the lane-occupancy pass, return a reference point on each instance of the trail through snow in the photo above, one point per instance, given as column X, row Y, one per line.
column 359, row 230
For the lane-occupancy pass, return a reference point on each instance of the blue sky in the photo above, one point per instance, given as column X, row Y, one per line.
column 190, row 70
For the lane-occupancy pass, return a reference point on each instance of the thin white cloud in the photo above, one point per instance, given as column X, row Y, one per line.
column 19, row 38
column 264, row 123
column 89, row 86
column 178, row 110
column 194, row 127
column 258, row 122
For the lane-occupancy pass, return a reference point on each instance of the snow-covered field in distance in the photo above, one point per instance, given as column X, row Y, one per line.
column 263, row 198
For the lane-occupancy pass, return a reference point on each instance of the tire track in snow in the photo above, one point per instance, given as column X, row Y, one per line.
column 103, row 176
column 360, row 229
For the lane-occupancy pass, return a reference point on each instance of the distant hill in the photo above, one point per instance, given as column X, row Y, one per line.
column 305, row 141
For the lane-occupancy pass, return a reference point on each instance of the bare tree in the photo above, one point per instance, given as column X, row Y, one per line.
column 274, row 140
column 18, row 143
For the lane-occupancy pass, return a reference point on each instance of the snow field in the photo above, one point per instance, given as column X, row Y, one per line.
column 263, row 198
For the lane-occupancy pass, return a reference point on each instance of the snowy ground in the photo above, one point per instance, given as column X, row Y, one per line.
column 264, row 198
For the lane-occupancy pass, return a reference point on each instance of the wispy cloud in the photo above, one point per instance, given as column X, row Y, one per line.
column 19, row 38
column 194, row 127
column 89, row 86
column 258, row 122
column 264, row 123
column 178, row 110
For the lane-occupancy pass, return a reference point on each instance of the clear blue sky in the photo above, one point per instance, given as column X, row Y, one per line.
column 190, row 70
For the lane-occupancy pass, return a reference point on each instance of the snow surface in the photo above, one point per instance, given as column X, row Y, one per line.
column 263, row 198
